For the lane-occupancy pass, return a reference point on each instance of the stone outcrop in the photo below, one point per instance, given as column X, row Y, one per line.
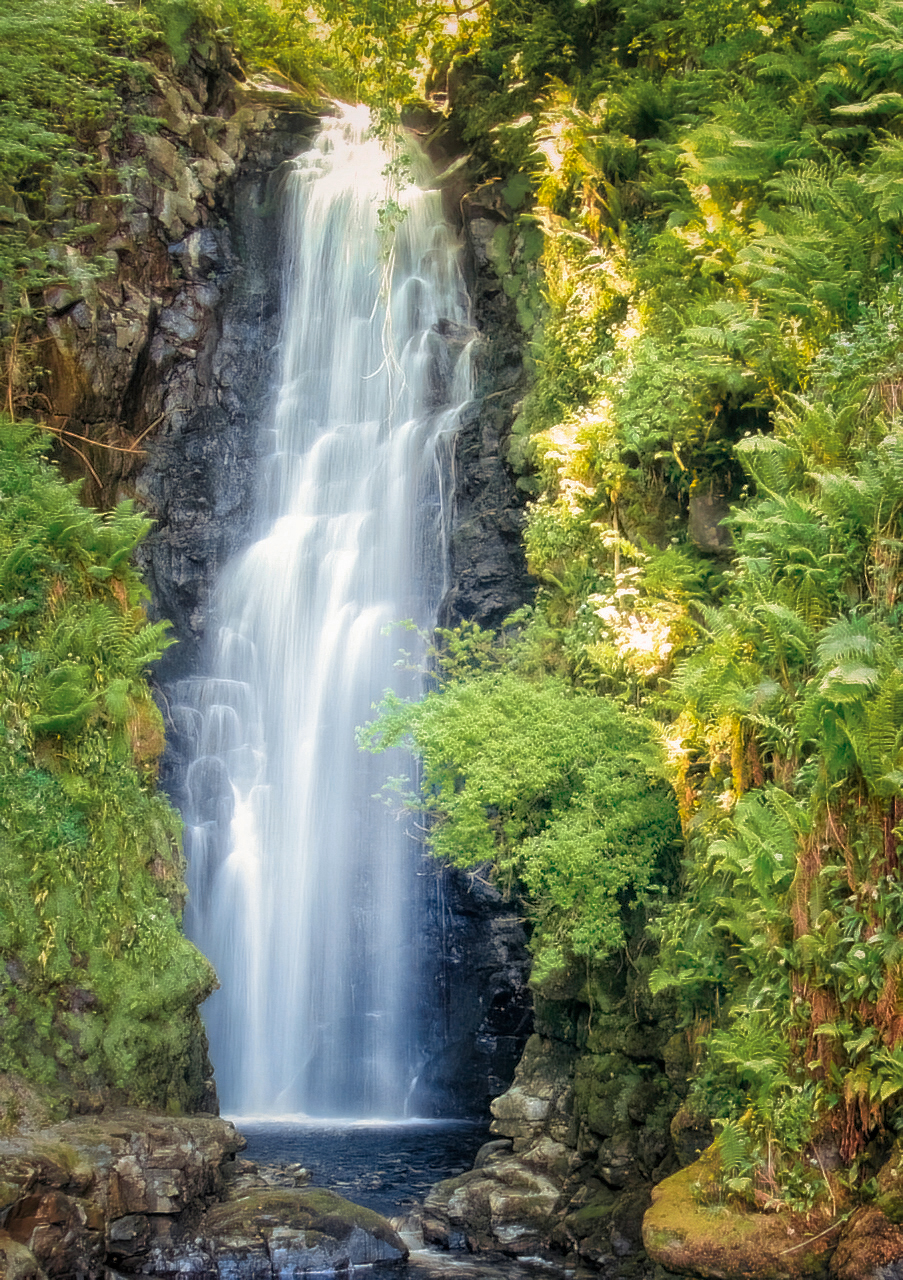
column 96, row 1191
column 127, row 1192
column 293, row 1232
column 582, row 1137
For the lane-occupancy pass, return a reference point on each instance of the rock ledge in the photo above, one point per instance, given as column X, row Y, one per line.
column 97, row 1196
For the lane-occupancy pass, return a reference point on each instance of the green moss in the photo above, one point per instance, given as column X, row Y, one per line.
column 102, row 988
column 593, row 1215
column 314, row 1210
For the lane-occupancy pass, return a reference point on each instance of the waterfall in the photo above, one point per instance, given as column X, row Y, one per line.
column 303, row 885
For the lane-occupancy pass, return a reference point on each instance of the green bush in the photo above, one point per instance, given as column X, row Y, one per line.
column 560, row 791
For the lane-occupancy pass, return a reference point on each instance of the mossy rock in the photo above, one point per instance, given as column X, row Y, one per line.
column 593, row 1215
column 685, row 1236
column 691, row 1132
column 598, row 1086
column 307, row 1221
column 17, row 1262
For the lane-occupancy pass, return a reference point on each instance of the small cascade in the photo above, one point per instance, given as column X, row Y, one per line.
column 303, row 886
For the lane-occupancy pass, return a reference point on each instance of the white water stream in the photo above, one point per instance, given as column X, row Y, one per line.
column 303, row 886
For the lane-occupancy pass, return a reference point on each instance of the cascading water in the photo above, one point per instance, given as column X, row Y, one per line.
column 303, row 885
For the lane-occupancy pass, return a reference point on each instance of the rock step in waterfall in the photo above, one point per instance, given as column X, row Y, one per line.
column 303, row 887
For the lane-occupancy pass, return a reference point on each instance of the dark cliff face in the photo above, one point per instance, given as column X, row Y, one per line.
column 487, row 567
column 478, row 1009
column 208, row 378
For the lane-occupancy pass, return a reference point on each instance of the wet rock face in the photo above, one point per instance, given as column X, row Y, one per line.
column 293, row 1232
column 487, row 566
column 478, row 1009
column 207, row 380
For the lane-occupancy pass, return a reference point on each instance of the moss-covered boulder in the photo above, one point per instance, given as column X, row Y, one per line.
column 509, row 1204
column 17, row 1262
column 296, row 1232
column 691, row 1238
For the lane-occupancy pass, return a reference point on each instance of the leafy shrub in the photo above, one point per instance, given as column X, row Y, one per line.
column 560, row 791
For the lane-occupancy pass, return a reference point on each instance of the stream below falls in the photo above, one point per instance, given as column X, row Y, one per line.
column 390, row 1167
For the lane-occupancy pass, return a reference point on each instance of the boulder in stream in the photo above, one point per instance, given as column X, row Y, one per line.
column 292, row 1232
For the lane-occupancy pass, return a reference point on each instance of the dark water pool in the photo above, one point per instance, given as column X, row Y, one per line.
column 387, row 1167
column 390, row 1168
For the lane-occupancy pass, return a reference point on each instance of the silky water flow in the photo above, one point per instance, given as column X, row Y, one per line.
column 302, row 884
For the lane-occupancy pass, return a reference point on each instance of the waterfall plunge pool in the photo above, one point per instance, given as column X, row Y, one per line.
column 389, row 1166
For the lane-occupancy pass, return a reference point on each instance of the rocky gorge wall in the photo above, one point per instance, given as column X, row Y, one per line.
column 592, row 1123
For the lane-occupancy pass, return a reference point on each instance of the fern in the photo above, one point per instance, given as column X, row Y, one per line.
column 843, row 639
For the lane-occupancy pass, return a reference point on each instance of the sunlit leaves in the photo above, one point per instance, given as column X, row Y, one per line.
column 559, row 791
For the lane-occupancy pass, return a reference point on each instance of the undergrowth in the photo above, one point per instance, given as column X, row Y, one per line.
column 102, row 988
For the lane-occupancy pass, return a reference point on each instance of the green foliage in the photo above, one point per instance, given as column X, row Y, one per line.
column 65, row 70
column 713, row 311
column 793, row 706
column 102, row 988
column 560, row 792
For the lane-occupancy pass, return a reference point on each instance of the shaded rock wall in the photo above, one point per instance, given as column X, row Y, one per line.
column 581, row 1138
column 487, row 566
column 478, row 1007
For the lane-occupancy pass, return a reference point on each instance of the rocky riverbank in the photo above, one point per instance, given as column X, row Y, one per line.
column 585, row 1133
column 128, row 1192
